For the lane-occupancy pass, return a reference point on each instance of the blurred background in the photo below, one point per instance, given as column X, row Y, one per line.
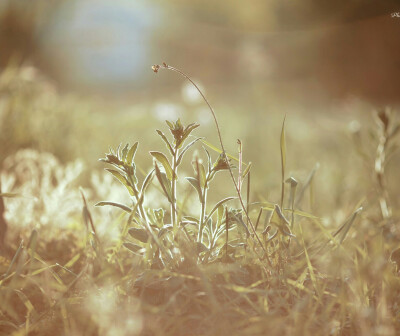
column 76, row 79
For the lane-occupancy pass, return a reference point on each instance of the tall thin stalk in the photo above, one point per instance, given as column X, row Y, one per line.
column 173, row 187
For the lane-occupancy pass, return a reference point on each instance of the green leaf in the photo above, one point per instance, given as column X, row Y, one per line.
column 203, row 176
column 160, row 157
column 195, row 184
column 117, row 205
column 139, row 234
column 170, row 124
column 124, row 152
column 131, row 154
column 167, row 143
column 119, row 151
column 200, row 172
column 189, row 129
column 221, row 202
column 185, row 150
column 121, row 179
column 208, row 159
column 163, row 180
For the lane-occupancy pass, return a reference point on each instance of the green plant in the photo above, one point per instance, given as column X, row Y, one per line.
column 180, row 135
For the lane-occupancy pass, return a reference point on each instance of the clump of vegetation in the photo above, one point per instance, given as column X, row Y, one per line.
column 235, row 266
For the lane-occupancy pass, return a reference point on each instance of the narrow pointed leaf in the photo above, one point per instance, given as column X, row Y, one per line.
column 195, row 184
column 344, row 229
column 124, row 152
column 163, row 180
column 208, row 159
column 221, row 202
column 121, row 179
column 202, row 173
column 167, row 143
column 189, row 129
column 131, row 154
column 160, row 157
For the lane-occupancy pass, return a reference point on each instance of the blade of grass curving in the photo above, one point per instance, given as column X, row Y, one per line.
column 219, row 204
column 302, row 213
column 346, row 226
column 114, row 204
column 87, row 215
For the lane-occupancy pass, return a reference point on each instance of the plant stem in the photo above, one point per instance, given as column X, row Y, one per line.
column 173, row 188
column 202, row 216
column 203, row 203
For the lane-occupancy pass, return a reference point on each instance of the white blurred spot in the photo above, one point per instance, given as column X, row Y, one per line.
column 204, row 116
column 167, row 111
column 190, row 94
column 354, row 126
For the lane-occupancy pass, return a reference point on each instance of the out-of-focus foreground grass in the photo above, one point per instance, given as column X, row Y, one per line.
column 102, row 272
